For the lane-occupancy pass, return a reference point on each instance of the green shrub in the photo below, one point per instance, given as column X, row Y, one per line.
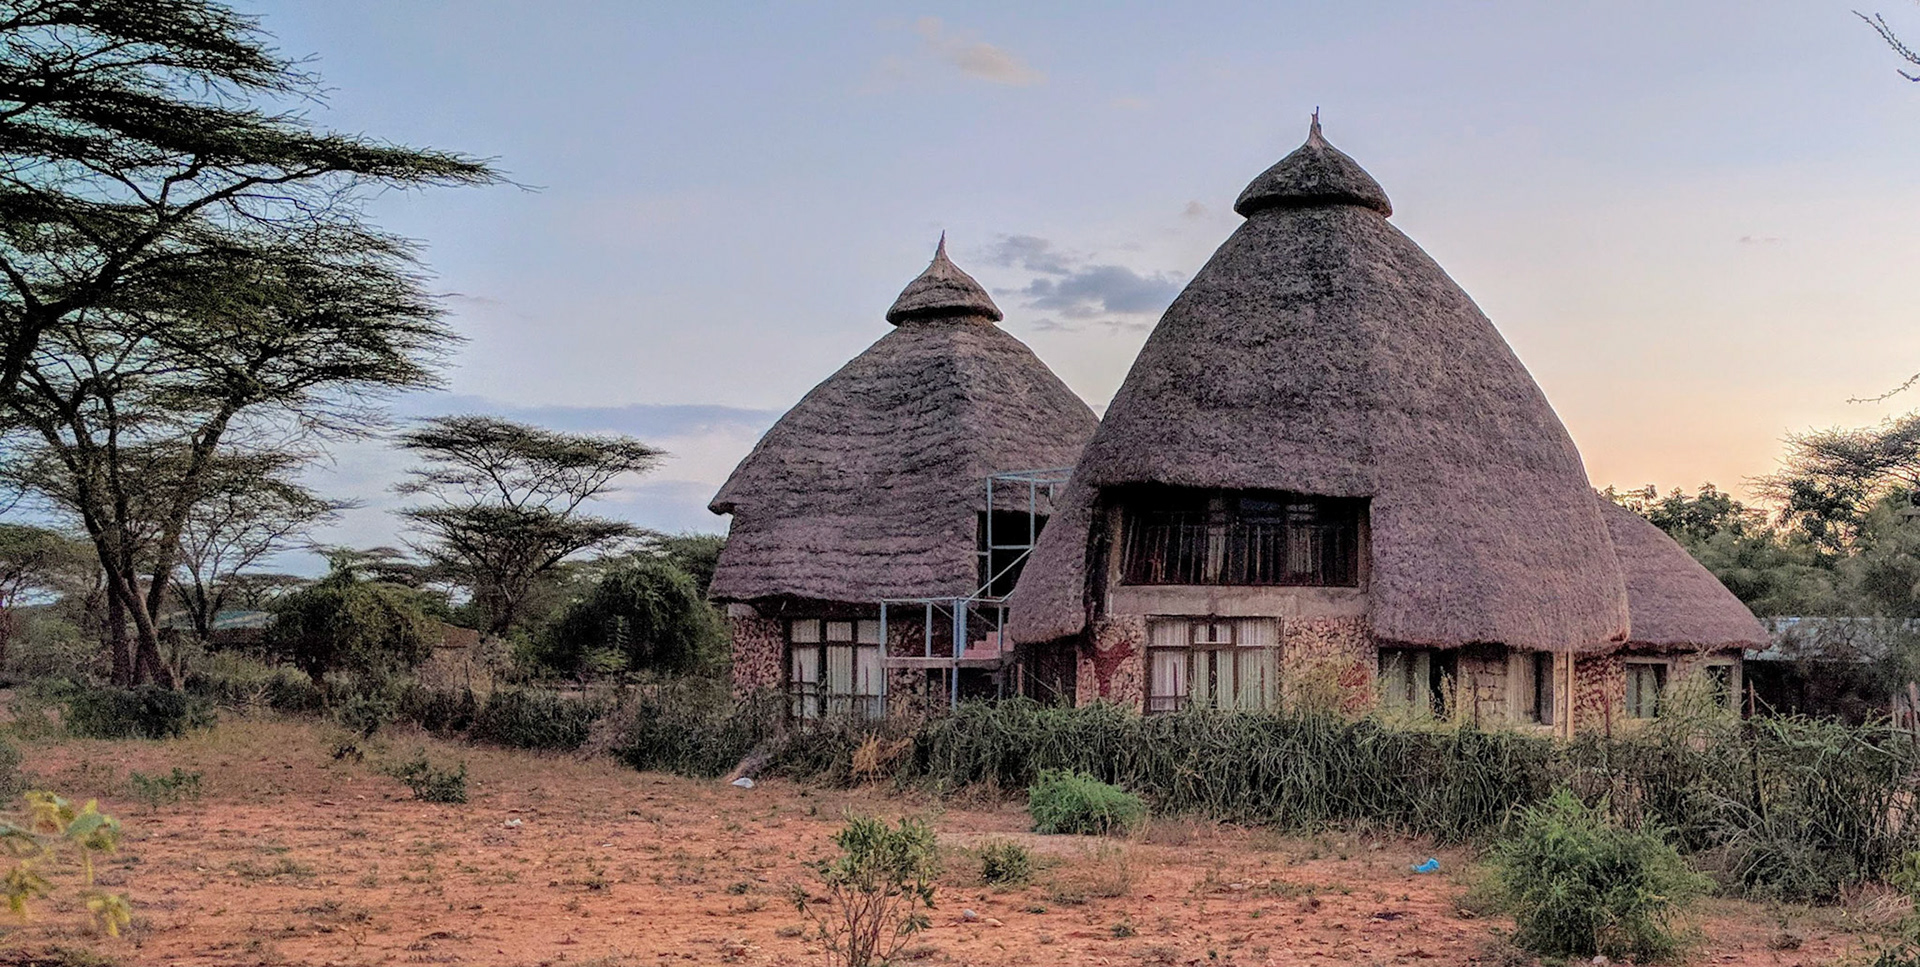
column 1004, row 863
column 439, row 710
column 877, row 890
column 645, row 615
column 1075, row 802
column 532, row 719
column 233, row 680
column 146, row 712
column 430, row 784
column 366, row 712
column 1577, row 884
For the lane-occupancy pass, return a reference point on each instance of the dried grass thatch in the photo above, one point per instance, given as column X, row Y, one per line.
column 1321, row 351
column 870, row 486
column 1673, row 600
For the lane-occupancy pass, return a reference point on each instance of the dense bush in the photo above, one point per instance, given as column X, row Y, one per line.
column 1074, row 802
column 146, row 712
column 646, row 615
column 1577, row 884
column 12, row 783
column 237, row 681
column 532, row 719
column 347, row 622
column 441, row 710
column 694, row 727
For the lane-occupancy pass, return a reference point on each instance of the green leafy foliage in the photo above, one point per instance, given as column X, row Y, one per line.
column 1576, row 884
column 877, row 891
column 365, row 712
column 146, row 712
column 1075, row 802
column 432, row 784
column 1005, row 863
column 52, row 825
column 646, row 615
column 346, row 621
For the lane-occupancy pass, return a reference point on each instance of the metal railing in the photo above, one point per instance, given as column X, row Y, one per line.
column 1174, row 551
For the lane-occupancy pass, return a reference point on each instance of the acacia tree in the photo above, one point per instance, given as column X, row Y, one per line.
column 141, row 139
column 251, row 510
column 1829, row 479
column 127, row 411
column 505, row 502
column 34, row 559
column 1885, row 30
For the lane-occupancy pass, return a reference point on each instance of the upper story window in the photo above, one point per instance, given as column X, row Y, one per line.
column 1173, row 535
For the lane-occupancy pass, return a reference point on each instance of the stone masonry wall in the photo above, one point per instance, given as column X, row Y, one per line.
column 1328, row 661
column 1113, row 665
column 759, row 648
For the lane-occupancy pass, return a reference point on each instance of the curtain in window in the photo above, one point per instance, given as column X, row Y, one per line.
column 805, row 682
column 1168, row 682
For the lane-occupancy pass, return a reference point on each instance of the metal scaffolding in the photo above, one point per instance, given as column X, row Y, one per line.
column 982, row 610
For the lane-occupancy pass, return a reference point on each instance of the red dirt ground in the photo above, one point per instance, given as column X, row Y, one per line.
column 291, row 857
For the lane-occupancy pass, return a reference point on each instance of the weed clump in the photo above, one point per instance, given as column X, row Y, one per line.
column 1004, row 863
column 530, row 719
column 1577, row 885
column 157, row 791
column 1075, row 802
column 877, row 890
column 430, row 784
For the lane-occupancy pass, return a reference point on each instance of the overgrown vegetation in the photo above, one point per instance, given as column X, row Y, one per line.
column 877, row 891
column 1075, row 802
column 1578, row 884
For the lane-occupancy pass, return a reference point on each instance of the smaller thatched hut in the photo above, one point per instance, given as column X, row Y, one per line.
column 873, row 487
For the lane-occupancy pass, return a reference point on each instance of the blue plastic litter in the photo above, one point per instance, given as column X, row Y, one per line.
column 1432, row 865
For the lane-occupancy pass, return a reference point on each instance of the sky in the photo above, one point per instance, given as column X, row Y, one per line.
column 1695, row 222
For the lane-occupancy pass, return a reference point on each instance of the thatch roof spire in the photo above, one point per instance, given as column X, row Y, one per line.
column 1316, row 174
column 942, row 291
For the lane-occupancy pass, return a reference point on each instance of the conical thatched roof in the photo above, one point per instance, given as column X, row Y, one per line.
column 869, row 487
column 1674, row 601
column 1321, row 351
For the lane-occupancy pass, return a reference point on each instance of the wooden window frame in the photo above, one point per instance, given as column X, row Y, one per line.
column 1240, row 538
column 852, row 643
column 1662, row 674
column 1201, row 651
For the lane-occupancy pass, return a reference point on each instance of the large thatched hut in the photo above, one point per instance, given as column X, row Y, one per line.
column 1327, row 473
column 874, row 487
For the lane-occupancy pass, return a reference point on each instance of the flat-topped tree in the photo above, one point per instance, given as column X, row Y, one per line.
column 505, row 502
column 140, row 136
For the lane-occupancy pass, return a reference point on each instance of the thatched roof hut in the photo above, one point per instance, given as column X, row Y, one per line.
column 871, row 485
column 1674, row 601
column 1320, row 351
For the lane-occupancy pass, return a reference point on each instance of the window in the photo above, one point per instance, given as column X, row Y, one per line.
column 1176, row 535
column 1213, row 663
column 1001, row 558
column 1645, row 681
column 1720, row 683
column 1417, row 679
column 1542, row 667
column 834, row 668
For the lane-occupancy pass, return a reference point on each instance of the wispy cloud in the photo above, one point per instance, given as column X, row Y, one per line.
column 976, row 58
column 1077, row 288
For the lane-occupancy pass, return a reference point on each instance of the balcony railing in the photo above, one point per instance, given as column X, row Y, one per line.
column 1165, row 549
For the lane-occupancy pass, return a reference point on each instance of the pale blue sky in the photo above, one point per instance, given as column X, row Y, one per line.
column 1695, row 222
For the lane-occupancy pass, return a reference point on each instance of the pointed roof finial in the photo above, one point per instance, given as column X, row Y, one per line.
column 1315, row 175
column 942, row 291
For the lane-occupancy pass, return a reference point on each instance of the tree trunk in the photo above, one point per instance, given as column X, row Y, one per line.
column 117, row 640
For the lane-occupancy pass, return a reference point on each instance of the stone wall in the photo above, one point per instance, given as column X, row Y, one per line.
column 1328, row 661
column 759, row 650
column 1599, row 693
column 1483, row 686
column 1112, row 666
